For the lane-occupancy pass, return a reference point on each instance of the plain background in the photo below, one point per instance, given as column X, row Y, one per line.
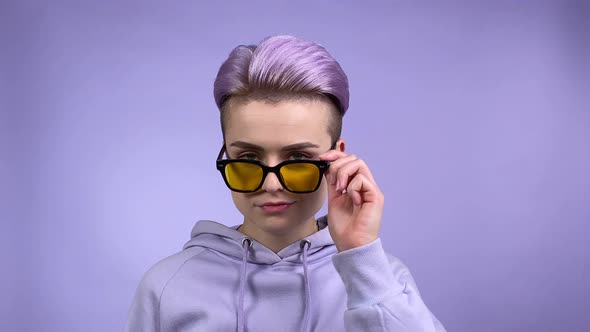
column 473, row 116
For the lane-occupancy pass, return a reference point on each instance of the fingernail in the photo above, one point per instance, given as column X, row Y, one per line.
column 337, row 185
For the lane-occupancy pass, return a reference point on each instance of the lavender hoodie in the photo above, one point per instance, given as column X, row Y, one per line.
column 224, row 281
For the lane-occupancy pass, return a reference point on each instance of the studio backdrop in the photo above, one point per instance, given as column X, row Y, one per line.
column 474, row 118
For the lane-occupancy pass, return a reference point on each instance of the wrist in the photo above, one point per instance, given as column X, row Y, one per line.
column 354, row 243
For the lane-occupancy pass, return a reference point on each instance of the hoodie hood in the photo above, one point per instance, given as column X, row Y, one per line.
column 228, row 241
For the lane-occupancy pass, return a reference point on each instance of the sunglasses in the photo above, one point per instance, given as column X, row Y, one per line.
column 296, row 176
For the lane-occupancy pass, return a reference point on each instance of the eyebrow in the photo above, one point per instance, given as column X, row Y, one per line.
column 291, row 147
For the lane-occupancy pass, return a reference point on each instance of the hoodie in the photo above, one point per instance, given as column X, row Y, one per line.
column 223, row 280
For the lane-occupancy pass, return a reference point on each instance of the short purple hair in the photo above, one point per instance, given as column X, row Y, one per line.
column 281, row 66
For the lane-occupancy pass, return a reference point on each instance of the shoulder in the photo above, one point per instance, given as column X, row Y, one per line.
column 144, row 314
column 154, row 281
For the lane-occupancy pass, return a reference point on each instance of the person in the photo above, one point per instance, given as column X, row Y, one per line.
column 281, row 105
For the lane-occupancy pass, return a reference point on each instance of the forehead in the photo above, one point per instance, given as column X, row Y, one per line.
column 278, row 123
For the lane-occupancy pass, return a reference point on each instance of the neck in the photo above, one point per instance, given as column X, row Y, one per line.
column 278, row 240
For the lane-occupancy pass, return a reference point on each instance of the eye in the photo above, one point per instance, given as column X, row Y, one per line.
column 299, row 156
column 248, row 156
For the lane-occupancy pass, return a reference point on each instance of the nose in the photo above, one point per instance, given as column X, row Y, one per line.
column 272, row 183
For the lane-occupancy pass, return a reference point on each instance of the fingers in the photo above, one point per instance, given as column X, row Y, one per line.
column 361, row 189
column 354, row 190
column 332, row 155
column 351, row 173
column 340, row 170
column 343, row 168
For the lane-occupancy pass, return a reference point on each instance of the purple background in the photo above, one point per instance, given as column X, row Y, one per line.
column 473, row 117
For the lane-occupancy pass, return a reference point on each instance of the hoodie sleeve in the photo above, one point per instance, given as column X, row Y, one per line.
column 382, row 295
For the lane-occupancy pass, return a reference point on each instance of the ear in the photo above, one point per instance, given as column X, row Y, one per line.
column 340, row 145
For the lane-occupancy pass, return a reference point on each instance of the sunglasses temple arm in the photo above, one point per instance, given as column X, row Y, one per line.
column 221, row 152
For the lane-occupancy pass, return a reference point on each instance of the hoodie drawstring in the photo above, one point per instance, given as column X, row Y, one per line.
column 246, row 244
column 305, row 245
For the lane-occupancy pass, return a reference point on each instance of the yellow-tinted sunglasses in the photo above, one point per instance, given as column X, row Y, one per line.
column 296, row 176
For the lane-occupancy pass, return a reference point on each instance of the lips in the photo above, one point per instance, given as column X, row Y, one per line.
column 275, row 207
column 275, row 203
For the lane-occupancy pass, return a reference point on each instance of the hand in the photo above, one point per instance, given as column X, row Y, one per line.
column 354, row 217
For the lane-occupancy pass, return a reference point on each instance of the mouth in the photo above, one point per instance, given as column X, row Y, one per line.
column 275, row 207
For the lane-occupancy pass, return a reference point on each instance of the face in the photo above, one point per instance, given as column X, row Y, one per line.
column 272, row 133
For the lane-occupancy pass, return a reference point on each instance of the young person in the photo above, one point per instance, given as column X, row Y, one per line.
column 281, row 104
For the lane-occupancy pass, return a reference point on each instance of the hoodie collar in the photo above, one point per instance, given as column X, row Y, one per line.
column 228, row 241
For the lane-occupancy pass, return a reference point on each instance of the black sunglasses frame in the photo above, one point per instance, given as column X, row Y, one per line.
column 322, row 166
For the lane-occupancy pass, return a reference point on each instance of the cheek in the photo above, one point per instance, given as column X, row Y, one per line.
column 318, row 197
column 240, row 201
column 323, row 189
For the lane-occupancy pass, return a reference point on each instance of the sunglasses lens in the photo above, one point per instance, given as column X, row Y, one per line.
column 300, row 177
column 243, row 176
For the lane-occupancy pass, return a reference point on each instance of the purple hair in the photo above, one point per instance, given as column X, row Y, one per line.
column 283, row 65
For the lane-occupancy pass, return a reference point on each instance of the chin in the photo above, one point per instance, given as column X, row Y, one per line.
column 277, row 223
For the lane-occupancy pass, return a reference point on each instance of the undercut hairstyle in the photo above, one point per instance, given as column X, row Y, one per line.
column 282, row 68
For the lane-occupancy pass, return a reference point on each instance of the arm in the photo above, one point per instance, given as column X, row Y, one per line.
column 382, row 295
